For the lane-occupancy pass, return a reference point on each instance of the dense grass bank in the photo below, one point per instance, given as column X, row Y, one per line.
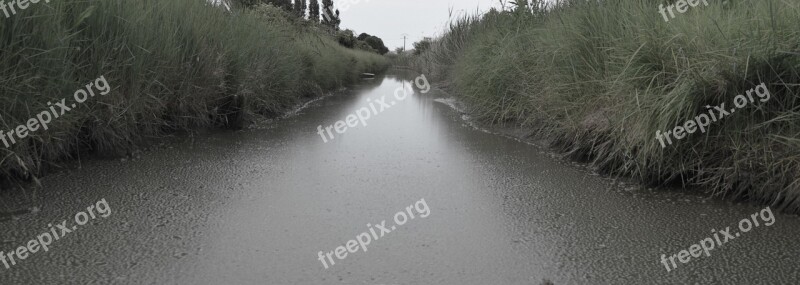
column 173, row 65
column 599, row 78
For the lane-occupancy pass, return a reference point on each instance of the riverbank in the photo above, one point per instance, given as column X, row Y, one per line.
column 206, row 68
column 599, row 81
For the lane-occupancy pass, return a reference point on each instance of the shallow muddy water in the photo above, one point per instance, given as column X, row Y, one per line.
column 257, row 207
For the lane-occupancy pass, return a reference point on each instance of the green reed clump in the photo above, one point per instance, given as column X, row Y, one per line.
column 173, row 65
column 599, row 78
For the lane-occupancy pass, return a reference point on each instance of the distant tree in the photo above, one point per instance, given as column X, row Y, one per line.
column 313, row 11
column 346, row 38
column 330, row 16
column 422, row 46
column 285, row 4
column 300, row 8
column 337, row 21
column 374, row 42
column 362, row 45
column 327, row 8
column 399, row 50
column 377, row 44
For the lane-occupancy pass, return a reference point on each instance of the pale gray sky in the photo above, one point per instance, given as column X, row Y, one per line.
column 390, row 19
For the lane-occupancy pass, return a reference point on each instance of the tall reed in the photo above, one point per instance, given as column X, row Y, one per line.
column 599, row 78
column 173, row 65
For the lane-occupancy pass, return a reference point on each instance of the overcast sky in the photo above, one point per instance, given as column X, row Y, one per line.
column 391, row 19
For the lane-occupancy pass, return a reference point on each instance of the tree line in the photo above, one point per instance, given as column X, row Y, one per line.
column 326, row 15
